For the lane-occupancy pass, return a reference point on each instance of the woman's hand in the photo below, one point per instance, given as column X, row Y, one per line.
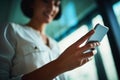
column 74, row 56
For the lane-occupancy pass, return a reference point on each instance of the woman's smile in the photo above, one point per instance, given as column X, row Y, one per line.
column 48, row 15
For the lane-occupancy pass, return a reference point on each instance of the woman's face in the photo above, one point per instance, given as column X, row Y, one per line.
column 45, row 10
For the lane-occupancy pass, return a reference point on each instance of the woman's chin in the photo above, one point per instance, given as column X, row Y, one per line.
column 48, row 21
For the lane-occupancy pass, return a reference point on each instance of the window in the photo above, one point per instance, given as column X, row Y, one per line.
column 116, row 9
column 106, row 54
column 89, row 70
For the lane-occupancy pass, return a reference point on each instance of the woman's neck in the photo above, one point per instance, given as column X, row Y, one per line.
column 41, row 28
column 37, row 26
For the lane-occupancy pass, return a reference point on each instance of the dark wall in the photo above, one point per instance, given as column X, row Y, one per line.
column 5, row 6
column 10, row 12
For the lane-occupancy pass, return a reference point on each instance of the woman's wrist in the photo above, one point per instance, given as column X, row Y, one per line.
column 47, row 72
column 59, row 68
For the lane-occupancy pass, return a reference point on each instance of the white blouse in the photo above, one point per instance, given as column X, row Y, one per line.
column 22, row 50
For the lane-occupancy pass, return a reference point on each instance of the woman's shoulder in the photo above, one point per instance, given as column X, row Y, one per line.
column 15, row 26
column 10, row 25
column 10, row 28
column 4, row 27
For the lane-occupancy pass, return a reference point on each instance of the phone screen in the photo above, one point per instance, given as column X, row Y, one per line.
column 100, row 32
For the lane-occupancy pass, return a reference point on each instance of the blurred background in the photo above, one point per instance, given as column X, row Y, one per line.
column 78, row 17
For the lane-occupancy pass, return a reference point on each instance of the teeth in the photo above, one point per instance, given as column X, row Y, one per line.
column 48, row 14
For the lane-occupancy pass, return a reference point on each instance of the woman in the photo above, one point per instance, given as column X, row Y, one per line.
column 27, row 53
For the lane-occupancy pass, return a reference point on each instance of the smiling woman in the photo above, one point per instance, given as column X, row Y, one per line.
column 27, row 53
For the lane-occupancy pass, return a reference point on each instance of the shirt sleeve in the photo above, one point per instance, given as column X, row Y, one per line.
column 7, row 52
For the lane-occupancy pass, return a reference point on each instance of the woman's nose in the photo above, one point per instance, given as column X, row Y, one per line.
column 51, row 6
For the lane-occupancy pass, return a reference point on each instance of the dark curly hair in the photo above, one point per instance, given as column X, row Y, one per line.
column 28, row 11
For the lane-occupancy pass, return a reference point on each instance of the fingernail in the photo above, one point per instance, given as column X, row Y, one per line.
column 97, row 43
column 94, row 52
column 90, row 58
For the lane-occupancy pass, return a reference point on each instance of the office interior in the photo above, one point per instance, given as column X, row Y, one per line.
column 79, row 17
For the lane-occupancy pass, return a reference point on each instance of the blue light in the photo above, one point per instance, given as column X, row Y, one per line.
column 69, row 17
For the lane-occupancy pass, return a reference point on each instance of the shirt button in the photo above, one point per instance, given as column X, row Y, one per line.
column 35, row 47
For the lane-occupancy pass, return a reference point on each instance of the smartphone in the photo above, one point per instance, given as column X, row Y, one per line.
column 100, row 32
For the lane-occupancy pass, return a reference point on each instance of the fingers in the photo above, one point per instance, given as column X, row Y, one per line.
column 82, row 62
column 84, row 58
column 85, row 37
column 89, row 46
column 89, row 54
